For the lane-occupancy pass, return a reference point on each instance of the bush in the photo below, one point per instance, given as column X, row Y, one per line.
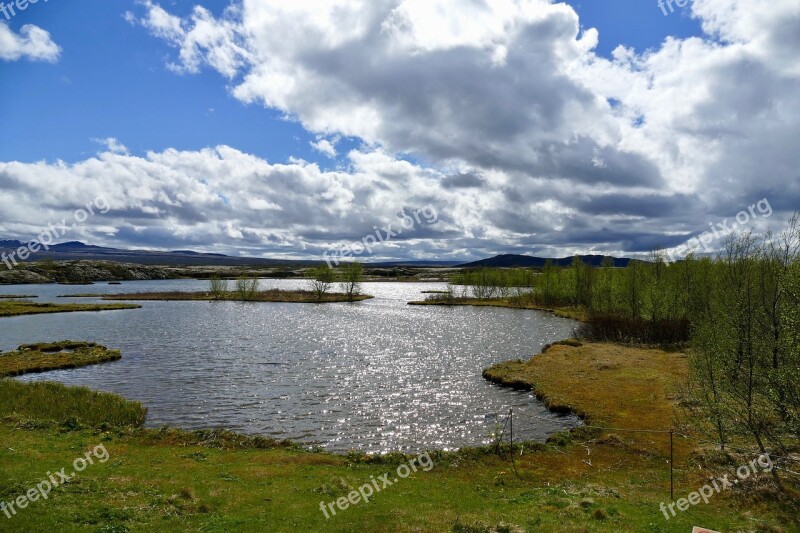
column 628, row 330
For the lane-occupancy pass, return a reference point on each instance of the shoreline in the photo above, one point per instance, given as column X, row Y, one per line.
column 271, row 296
column 12, row 308
column 616, row 487
column 507, row 303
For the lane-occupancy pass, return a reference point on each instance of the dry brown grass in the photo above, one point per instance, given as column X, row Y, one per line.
column 18, row 307
column 510, row 303
column 608, row 385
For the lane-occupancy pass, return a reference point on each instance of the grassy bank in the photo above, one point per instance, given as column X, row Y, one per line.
column 262, row 296
column 54, row 406
column 21, row 307
column 33, row 358
column 646, row 385
column 590, row 480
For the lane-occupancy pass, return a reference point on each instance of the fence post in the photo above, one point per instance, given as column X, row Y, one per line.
column 671, row 462
column 511, row 420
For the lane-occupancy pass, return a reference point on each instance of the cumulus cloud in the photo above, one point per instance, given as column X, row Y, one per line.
column 112, row 145
column 521, row 136
column 201, row 40
column 225, row 200
column 326, row 147
column 31, row 42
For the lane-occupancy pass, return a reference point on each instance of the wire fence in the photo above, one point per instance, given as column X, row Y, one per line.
column 504, row 434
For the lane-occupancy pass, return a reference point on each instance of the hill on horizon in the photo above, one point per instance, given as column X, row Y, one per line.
column 527, row 261
column 76, row 250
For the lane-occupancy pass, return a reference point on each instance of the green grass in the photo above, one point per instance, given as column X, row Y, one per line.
column 18, row 308
column 32, row 358
column 148, row 485
column 169, row 480
column 42, row 404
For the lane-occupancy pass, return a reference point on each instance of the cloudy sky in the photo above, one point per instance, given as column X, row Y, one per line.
column 280, row 129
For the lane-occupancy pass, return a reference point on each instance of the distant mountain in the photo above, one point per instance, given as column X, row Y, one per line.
column 420, row 264
column 76, row 250
column 527, row 261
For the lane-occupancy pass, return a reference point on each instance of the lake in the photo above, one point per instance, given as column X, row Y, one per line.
column 374, row 376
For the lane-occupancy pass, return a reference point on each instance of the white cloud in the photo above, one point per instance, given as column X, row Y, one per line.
column 326, row 147
column 224, row 200
column 531, row 141
column 112, row 145
column 202, row 39
column 32, row 43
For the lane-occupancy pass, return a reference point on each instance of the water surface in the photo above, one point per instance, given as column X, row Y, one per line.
column 375, row 376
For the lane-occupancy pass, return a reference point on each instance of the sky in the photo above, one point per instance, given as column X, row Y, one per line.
column 288, row 130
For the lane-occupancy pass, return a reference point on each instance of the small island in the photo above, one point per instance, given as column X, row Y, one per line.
column 22, row 307
column 276, row 296
column 445, row 299
column 42, row 357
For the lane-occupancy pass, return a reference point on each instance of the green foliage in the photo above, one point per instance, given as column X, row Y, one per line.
column 218, row 288
column 322, row 277
column 246, row 289
column 350, row 277
column 746, row 346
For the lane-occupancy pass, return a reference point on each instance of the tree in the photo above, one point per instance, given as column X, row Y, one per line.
column 606, row 285
column 584, row 281
column 745, row 349
column 246, row 289
column 549, row 280
column 351, row 276
column 219, row 287
column 322, row 277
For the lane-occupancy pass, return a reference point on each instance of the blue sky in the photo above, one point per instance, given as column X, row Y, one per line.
column 111, row 81
column 505, row 117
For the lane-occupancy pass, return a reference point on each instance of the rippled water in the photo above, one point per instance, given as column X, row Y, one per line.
column 375, row 376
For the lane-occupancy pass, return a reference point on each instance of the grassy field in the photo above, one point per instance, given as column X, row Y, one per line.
column 261, row 296
column 33, row 358
column 589, row 480
column 20, row 307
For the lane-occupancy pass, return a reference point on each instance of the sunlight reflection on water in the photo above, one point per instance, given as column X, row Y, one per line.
column 375, row 376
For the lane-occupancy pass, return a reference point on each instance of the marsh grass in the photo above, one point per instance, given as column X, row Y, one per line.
column 34, row 358
column 22, row 307
column 447, row 299
column 43, row 403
